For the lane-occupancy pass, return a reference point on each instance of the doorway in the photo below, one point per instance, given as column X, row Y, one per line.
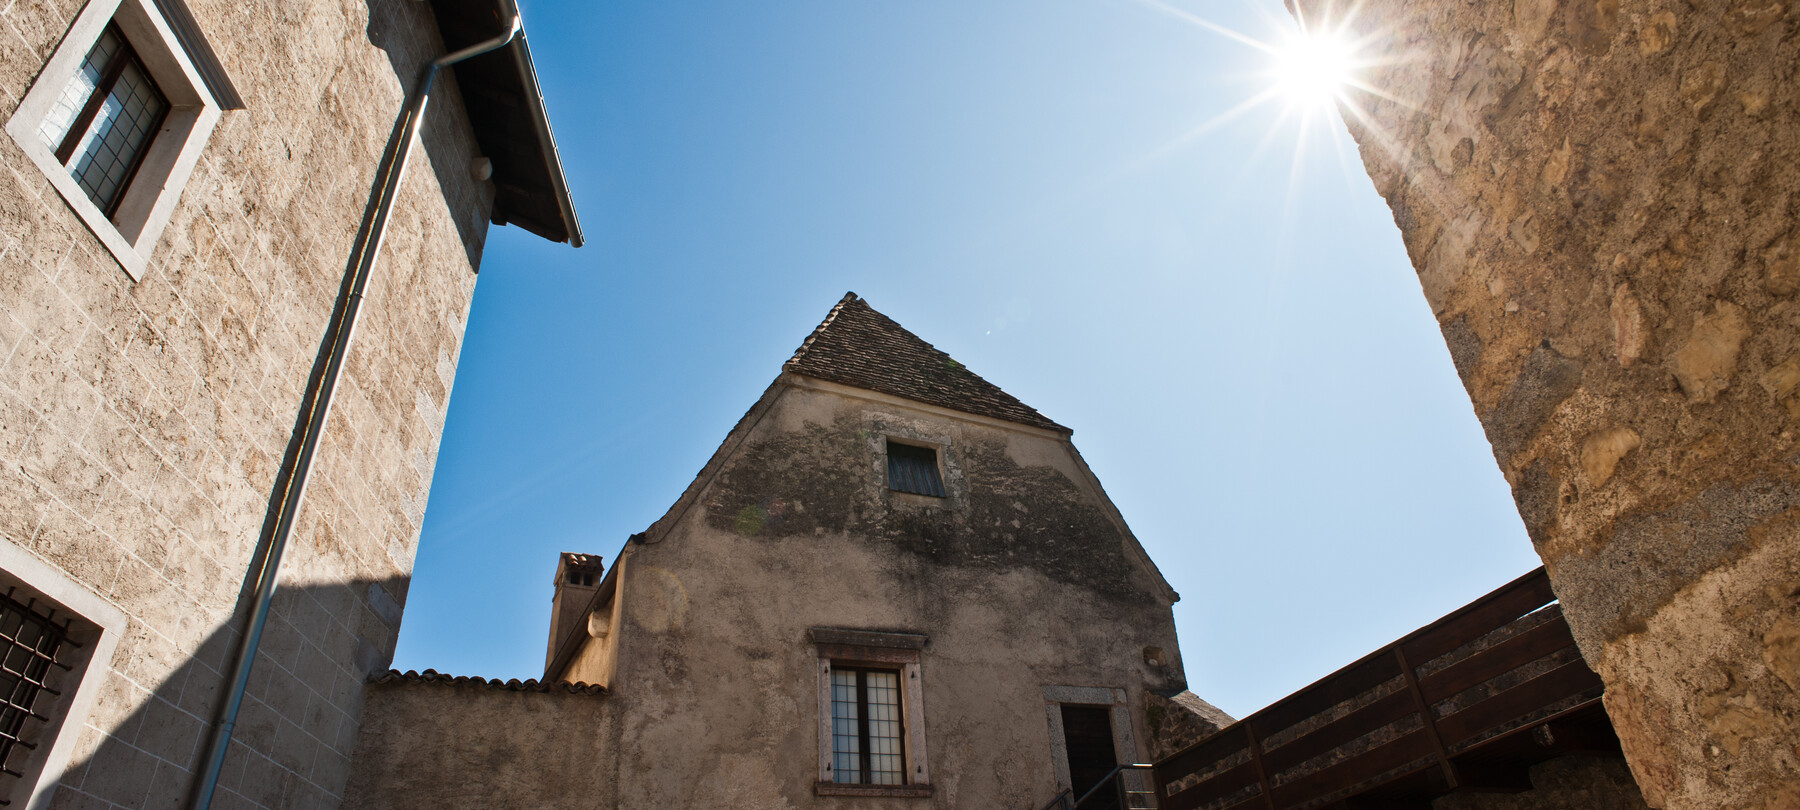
column 1088, row 737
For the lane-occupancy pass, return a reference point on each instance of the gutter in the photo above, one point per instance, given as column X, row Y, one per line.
column 315, row 408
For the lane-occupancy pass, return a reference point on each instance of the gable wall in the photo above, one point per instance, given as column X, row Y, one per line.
column 1021, row 579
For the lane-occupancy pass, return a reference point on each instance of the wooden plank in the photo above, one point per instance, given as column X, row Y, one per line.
column 1356, row 769
column 1325, row 693
column 1498, row 609
column 1201, row 755
column 1563, row 682
column 1511, row 654
column 1339, row 731
column 1218, row 787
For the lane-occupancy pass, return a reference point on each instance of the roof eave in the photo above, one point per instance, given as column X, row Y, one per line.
column 540, row 123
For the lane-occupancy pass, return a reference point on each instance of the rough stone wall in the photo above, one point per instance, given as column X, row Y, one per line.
column 141, row 423
column 476, row 745
column 1598, row 196
column 1177, row 722
column 1564, row 783
column 1019, row 578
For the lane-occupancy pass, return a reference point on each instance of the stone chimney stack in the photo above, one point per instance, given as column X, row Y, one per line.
column 577, row 578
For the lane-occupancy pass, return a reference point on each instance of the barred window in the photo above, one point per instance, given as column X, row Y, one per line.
column 914, row 469
column 30, row 640
column 107, row 113
column 866, row 735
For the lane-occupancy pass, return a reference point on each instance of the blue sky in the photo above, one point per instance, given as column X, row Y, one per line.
column 1227, row 319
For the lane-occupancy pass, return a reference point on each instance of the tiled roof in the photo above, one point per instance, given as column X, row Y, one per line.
column 860, row 347
column 514, row 685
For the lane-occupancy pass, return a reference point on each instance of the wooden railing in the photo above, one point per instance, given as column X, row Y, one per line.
column 1433, row 711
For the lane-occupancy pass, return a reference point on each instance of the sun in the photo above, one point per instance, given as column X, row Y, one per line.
column 1314, row 68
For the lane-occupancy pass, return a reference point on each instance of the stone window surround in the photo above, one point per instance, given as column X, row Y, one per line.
column 149, row 200
column 105, row 626
column 950, row 476
column 1125, row 747
column 878, row 649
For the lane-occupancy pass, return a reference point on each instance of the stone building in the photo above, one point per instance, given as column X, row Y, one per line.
column 184, row 188
column 1600, row 199
column 893, row 585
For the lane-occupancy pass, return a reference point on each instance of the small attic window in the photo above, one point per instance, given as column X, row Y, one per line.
column 914, row 469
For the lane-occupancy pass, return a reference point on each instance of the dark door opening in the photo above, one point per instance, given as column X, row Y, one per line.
column 1087, row 733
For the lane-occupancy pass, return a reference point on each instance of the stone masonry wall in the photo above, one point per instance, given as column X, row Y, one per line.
column 142, row 423
column 437, row 743
column 1598, row 196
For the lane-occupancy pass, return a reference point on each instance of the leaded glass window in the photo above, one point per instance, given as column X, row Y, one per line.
column 866, row 737
column 101, row 125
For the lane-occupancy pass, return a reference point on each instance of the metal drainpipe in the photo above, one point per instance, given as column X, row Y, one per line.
column 342, row 331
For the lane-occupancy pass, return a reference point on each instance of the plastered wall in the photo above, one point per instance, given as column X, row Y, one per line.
column 1598, row 198
column 142, row 422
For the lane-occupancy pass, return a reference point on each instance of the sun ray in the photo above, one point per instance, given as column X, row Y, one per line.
column 1209, row 25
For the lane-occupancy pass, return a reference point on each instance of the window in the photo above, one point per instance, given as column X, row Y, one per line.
column 914, row 469
column 871, row 714
column 30, row 641
column 104, row 118
column 117, row 118
column 52, row 630
column 865, row 726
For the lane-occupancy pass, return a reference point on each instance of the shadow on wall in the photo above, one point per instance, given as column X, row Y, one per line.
column 397, row 27
column 291, row 747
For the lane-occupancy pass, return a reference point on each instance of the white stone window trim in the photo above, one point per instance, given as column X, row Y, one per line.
column 148, row 202
column 64, row 729
column 1125, row 747
column 874, row 649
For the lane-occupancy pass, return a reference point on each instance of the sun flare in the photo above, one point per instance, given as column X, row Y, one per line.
column 1314, row 68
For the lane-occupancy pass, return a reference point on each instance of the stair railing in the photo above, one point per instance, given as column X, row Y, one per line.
column 1111, row 787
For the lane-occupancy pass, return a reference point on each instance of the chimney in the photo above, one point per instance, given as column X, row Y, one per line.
column 577, row 578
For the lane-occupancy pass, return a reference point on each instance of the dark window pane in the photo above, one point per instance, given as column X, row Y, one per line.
column 914, row 469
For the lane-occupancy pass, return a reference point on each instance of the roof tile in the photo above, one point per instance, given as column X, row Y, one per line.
column 857, row 346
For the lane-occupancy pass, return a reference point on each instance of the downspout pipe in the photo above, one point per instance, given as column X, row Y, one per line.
column 267, row 567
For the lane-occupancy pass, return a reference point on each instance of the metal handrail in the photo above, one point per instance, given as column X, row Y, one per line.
column 1067, row 801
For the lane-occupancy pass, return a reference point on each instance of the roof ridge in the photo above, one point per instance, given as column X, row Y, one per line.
column 820, row 329
column 857, row 345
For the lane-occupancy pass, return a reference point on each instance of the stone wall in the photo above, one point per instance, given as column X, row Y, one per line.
column 142, row 422
column 1598, row 196
column 1564, row 783
column 433, row 742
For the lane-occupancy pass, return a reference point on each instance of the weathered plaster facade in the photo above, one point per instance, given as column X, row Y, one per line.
column 142, row 421
column 1019, row 590
column 1599, row 198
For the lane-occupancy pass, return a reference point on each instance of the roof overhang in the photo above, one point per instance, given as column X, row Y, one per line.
column 506, row 110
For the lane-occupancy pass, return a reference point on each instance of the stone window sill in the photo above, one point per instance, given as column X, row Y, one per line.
column 889, row 791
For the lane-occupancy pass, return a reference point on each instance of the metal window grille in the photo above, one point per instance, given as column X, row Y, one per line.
column 29, row 643
column 866, row 733
column 914, row 469
column 106, row 116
